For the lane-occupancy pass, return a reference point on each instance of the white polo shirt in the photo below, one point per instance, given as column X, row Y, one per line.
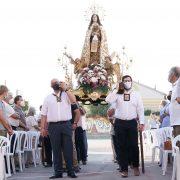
column 174, row 107
column 57, row 111
column 127, row 110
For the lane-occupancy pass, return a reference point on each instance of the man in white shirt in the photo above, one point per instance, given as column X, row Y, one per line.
column 56, row 111
column 174, row 107
column 129, row 108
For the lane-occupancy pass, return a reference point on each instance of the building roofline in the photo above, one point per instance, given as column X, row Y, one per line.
column 150, row 88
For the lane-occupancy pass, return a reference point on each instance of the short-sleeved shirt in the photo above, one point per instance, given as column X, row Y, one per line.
column 2, row 108
column 31, row 122
column 55, row 110
column 21, row 114
column 166, row 119
column 9, row 112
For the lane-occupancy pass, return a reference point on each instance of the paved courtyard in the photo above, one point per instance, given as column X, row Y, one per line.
column 100, row 167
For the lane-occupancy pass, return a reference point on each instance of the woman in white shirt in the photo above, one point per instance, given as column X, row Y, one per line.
column 31, row 121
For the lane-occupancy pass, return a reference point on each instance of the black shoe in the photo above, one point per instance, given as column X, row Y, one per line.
column 48, row 165
column 72, row 175
column 56, row 176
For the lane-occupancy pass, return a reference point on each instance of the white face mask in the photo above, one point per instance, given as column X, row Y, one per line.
column 128, row 85
column 22, row 104
column 11, row 101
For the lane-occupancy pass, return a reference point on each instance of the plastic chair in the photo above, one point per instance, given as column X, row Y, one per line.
column 4, row 143
column 32, row 144
column 155, row 142
column 176, row 154
column 21, row 142
column 166, row 134
column 10, row 151
column 147, row 140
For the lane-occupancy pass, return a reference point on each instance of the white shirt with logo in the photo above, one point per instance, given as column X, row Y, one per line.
column 127, row 110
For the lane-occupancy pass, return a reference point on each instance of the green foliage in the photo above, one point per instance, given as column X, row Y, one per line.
column 88, row 89
column 147, row 112
column 26, row 107
column 99, row 110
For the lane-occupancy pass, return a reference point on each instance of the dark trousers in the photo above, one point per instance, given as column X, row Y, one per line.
column 81, row 144
column 60, row 134
column 114, row 139
column 126, row 133
column 46, row 150
column 176, row 132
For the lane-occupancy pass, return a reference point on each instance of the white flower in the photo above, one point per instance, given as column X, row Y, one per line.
column 103, row 70
column 103, row 77
column 86, row 69
column 94, row 80
column 100, row 73
column 90, row 71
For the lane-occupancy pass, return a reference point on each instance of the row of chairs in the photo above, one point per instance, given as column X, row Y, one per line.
column 19, row 144
column 155, row 139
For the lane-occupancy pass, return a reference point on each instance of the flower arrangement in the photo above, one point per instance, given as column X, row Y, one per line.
column 94, row 78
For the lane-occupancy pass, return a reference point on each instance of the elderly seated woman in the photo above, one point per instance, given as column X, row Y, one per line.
column 31, row 121
column 32, row 125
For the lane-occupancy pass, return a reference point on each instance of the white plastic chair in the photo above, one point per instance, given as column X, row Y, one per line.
column 4, row 144
column 166, row 134
column 147, row 140
column 176, row 154
column 155, row 142
column 32, row 144
column 10, row 151
column 21, row 142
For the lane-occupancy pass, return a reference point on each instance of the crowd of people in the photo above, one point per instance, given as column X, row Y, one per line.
column 62, row 124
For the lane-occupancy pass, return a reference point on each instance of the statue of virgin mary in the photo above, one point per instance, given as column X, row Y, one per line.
column 95, row 46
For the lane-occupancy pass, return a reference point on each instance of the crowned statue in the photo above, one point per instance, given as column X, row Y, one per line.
column 94, row 70
column 95, row 47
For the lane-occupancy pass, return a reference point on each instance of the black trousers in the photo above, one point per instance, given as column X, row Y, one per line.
column 81, row 144
column 60, row 134
column 126, row 133
column 114, row 139
column 46, row 150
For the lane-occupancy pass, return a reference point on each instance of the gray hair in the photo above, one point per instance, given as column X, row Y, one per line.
column 164, row 103
column 31, row 111
column 175, row 71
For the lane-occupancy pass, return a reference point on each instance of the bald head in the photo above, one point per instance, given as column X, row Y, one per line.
column 54, row 81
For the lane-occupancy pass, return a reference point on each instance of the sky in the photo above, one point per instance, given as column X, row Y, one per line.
column 33, row 34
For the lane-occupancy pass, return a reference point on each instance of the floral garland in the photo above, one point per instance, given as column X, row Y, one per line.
column 94, row 78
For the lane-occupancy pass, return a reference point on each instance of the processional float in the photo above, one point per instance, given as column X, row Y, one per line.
column 96, row 71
